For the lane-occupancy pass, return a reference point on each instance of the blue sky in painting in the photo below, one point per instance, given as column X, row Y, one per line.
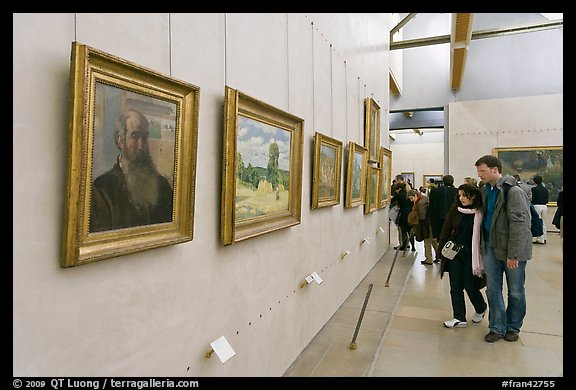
column 254, row 139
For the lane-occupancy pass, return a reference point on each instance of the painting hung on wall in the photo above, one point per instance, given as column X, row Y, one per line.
column 409, row 178
column 261, row 170
column 527, row 162
column 131, row 161
column 385, row 191
column 327, row 171
column 356, row 175
column 372, row 129
column 372, row 185
column 437, row 179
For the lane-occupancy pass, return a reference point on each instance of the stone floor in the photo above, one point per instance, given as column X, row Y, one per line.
column 401, row 334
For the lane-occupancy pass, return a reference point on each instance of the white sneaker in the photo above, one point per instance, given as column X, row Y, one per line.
column 454, row 323
column 478, row 317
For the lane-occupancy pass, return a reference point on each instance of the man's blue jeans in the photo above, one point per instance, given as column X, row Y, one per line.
column 500, row 317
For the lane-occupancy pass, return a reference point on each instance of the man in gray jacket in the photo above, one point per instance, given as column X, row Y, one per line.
column 506, row 247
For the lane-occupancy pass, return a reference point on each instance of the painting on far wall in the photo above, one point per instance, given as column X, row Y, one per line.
column 437, row 179
column 527, row 162
column 408, row 177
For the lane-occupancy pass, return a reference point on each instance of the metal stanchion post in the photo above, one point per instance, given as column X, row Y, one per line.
column 405, row 245
column 353, row 342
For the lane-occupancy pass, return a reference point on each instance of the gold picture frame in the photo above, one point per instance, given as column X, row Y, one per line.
column 546, row 161
column 356, row 175
column 385, row 192
column 372, row 129
column 131, row 160
column 327, row 172
column 372, row 189
column 261, row 170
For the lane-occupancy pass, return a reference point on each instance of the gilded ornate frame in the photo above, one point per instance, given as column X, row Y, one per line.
column 385, row 192
column 327, row 172
column 240, row 220
column 372, row 189
column 91, row 72
column 372, row 129
column 356, row 175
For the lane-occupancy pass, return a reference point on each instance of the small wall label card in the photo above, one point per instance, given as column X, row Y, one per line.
column 317, row 277
column 223, row 349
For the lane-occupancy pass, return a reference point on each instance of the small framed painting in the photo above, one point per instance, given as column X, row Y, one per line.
column 327, row 171
column 356, row 175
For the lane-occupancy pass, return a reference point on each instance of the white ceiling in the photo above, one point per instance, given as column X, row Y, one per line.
column 552, row 16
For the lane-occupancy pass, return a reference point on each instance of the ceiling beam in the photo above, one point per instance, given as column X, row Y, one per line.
column 394, row 86
column 459, row 41
column 402, row 23
column 480, row 34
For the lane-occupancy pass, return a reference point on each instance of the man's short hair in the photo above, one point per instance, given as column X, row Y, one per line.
column 490, row 161
column 399, row 186
column 538, row 179
column 400, row 177
column 448, row 180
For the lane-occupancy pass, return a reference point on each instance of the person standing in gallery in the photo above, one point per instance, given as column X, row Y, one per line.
column 506, row 248
column 462, row 226
column 441, row 200
column 525, row 186
column 539, row 200
column 400, row 179
column 401, row 199
column 558, row 219
column 422, row 231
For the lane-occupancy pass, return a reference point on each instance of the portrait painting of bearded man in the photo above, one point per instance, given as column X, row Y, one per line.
column 133, row 192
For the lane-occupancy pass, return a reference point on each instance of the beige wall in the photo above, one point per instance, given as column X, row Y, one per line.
column 474, row 129
column 419, row 158
column 477, row 127
column 155, row 313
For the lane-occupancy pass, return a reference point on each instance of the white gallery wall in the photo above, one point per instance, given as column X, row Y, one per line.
column 477, row 127
column 155, row 313
column 474, row 129
column 418, row 154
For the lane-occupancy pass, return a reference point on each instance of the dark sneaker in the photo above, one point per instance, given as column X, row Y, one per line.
column 436, row 261
column 511, row 336
column 492, row 337
column 425, row 262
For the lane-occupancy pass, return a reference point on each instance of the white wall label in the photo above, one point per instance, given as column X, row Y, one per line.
column 223, row 349
column 316, row 277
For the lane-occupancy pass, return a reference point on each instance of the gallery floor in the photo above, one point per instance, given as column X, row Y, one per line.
column 402, row 334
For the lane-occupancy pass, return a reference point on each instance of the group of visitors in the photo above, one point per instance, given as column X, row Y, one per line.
column 493, row 233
